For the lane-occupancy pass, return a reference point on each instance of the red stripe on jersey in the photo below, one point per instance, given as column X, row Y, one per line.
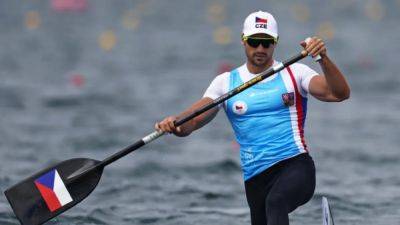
column 299, row 108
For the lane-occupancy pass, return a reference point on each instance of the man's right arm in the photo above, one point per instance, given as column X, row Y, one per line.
column 167, row 125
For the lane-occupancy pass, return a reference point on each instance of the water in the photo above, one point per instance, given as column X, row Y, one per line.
column 162, row 67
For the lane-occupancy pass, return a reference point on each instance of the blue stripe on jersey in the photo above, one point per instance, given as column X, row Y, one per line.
column 262, row 124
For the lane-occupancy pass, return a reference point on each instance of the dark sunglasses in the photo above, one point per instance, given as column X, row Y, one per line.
column 256, row 41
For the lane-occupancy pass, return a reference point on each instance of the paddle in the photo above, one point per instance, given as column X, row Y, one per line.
column 58, row 188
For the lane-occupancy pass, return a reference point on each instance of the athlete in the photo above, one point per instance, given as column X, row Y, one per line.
column 268, row 119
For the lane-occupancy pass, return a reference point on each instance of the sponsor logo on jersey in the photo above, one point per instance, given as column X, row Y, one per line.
column 288, row 99
column 239, row 107
column 266, row 92
column 261, row 23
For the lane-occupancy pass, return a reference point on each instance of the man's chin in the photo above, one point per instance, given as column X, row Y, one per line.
column 260, row 63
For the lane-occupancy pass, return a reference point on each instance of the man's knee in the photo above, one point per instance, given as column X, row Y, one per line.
column 276, row 201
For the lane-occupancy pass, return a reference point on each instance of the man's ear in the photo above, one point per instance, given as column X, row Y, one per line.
column 241, row 39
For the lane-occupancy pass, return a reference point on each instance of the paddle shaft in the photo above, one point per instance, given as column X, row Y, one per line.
column 156, row 134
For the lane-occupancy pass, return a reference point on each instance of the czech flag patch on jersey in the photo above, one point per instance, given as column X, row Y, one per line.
column 288, row 99
column 53, row 190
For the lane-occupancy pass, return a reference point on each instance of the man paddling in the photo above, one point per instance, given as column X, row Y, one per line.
column 268, row 120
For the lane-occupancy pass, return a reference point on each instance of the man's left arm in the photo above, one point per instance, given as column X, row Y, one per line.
column 332, row 86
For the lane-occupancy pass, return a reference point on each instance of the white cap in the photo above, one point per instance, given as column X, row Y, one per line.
column 260, row 22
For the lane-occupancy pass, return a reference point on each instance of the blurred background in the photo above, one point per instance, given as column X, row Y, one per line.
column 85, row 78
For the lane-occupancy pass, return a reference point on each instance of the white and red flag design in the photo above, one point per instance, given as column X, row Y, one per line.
column 53, row 190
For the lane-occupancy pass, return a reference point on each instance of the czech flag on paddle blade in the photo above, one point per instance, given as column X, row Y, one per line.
column 260, row 20
column 53, row 190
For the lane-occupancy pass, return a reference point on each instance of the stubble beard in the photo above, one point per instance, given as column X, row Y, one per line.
column 261, row 63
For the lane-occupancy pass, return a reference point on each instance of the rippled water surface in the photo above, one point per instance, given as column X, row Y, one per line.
column 164, row 65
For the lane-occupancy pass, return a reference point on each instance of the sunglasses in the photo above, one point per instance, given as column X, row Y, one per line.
column 256, row 41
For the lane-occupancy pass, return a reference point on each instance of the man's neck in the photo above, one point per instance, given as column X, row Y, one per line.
column 258, row 69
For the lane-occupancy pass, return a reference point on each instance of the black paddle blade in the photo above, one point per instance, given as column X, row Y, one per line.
column 54, row 190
